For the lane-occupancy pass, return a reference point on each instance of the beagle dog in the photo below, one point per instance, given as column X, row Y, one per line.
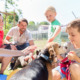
column 41, row 68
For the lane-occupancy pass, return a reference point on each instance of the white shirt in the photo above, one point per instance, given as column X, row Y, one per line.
column 24, row 38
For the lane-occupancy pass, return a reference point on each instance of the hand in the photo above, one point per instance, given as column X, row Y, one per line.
column 3, row 46
column 13, row 47
column 9, row 43
column 71, row 55
column 28, row 57
column 29, row 49
column 50, row 40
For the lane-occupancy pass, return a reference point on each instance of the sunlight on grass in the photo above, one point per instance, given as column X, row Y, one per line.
column 40, row 44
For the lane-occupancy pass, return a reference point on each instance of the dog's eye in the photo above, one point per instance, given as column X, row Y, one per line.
column 59, row 46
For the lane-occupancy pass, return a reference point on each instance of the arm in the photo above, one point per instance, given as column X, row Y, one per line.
column 6, row 40
column 8, row 36
column 31, row 42
column 6, row 52
column 57, row 31
column 77, row 59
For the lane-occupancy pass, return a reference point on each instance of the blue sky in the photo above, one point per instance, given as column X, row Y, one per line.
column 33, row 10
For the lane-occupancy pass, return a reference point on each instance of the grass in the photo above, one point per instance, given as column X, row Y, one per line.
column 40, row 44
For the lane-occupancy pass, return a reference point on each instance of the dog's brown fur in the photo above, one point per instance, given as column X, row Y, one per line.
column 50, row 49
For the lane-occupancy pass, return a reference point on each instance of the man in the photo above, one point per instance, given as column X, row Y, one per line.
column 21, row 36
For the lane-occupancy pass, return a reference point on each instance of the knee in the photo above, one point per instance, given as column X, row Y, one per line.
column 10, row 58
column 75, row 69
column 56, row 75
column 7, row 58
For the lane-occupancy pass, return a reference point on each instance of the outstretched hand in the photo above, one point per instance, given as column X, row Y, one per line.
column 50, row 40
column 29, row 49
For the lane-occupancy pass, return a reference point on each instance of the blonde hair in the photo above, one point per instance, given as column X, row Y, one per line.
column 50, row 8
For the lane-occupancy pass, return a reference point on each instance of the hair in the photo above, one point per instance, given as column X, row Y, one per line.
column 2, row 17
column 74, row 24
column 22, row 19
column 0, row 14
column 50, row 8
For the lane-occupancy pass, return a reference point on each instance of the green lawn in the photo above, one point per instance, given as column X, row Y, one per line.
column 6, row 72
column 40, row 44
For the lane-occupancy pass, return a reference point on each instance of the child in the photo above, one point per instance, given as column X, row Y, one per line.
column 73, row 30
column 54, row 29
column 4, row 52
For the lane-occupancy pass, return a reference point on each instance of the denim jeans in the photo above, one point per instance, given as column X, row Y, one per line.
column 23, row 46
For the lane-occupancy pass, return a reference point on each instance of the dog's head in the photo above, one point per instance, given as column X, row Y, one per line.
column 53, row 49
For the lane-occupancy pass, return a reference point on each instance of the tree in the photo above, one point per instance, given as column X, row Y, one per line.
column 44, row 23
column 12, row 3
column 31, row 23
column 10, row 17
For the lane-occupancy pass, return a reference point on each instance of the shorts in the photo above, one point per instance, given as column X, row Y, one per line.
column 59, row 70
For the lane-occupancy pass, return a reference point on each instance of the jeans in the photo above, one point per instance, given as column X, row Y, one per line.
column 23, row 46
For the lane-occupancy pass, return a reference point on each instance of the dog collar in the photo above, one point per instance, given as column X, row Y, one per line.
column 45, row 57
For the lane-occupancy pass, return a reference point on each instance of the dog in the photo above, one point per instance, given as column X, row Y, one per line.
column 41, row 68
column 20, row 62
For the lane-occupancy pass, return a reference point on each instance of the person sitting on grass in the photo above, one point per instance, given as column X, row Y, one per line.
column 73, row 53
column 21, row 37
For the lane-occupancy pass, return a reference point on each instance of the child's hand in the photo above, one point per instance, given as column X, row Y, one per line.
column 71, row 55
column 50, row 40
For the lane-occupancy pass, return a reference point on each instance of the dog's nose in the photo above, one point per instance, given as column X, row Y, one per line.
column 65, row 47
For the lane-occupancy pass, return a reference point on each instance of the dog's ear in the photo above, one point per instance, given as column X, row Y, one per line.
column 51, row 51
column 37, row 52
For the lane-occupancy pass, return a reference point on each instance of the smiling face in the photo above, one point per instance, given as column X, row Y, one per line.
column 1, row 23
column 74, row 35
column 22, row 26
column 50, row 15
